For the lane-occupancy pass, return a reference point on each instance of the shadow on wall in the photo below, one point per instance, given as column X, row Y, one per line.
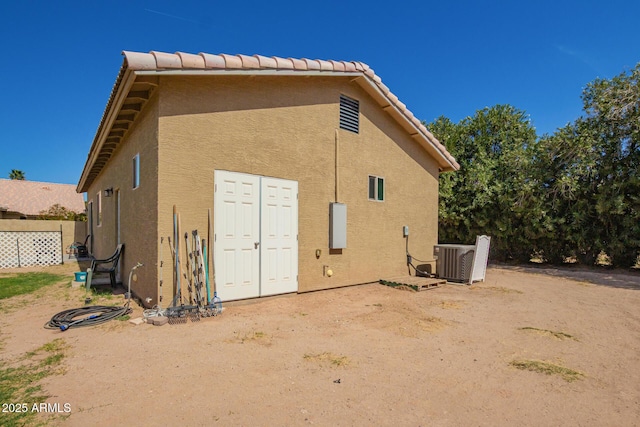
column 623, row 279
column 80, row 231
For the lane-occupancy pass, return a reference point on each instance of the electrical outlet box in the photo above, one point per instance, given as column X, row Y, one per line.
column 337, row 226
column 405, row 230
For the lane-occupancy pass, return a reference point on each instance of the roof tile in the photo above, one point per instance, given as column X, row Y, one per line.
column 249, row 61
column 266, row 62
column 190, row 60
column 349, row 66
column 213, row 61
column 139, row 61
column 312, row 64
column 167, row 60
column 325, row 65
column 285, row 64
column 298, row 64
column 31, row 197
column 337, row 65
column 136, row 61
column 232, row 61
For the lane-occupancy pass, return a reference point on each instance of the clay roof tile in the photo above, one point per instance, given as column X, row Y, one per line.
column 167, row 60
column 139, row 61
column 285, row 64
column 249, row 61
column 31, row 197
column 232, row 61
column 266, row 62
column 298, row 64
column 325, row 65
column 312, row 64
column 337, row 65
column 190, row 60
column 213, row 61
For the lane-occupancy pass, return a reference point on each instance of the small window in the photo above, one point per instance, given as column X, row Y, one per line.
column 376, row 188
column 349, row 114
column 136, row 171
column 99, row 208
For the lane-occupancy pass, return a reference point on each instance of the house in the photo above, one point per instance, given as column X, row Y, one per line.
column 311, row 170
column 21, row 199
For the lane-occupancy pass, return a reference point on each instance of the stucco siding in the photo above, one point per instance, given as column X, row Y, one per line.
column 285, row 127
column 138, row 207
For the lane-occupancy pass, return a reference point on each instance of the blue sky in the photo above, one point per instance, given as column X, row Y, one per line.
column 60, row 58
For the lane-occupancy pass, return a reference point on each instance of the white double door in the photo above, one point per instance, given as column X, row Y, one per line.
column 255, row 235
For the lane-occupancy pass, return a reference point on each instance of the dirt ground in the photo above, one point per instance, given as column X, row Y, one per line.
column 363, row 355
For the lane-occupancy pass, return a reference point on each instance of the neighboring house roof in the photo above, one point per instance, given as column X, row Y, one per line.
column 131, row 91
column 29, row 198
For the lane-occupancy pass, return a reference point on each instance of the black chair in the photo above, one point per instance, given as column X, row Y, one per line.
column 111, row 264
column 81, row 248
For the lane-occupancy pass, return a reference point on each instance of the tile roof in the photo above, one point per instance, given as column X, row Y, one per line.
column 140, row 63
column 181, row 61
column 31, row 197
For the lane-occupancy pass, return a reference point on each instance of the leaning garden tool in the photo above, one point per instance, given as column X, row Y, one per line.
column 216, row 302
column 178, row 312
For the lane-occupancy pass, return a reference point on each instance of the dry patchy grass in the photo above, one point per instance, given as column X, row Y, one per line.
column 547, row 368
column 500, row 289
column 328, row 358
column 557, row 334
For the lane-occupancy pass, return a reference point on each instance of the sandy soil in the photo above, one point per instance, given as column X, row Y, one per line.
column 363, row 355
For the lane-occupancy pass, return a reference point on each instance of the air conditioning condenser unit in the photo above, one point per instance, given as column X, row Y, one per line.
column 454, row 262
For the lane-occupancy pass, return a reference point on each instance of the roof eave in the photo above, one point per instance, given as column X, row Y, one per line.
column 410, row 123
column 126, row 78
column 136, row 64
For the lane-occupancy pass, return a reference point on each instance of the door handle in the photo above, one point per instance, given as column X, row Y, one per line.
column 256, row 244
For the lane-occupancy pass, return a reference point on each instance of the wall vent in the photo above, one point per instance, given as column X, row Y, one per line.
column 349, row 114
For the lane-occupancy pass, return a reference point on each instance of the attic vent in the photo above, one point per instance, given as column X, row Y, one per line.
column 349, row 114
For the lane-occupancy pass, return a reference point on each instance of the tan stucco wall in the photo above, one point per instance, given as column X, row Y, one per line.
column 72, row 231
column 138, row 207
column 284, row 127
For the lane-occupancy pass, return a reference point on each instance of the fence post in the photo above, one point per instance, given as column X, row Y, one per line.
column 18, row 246
column 61, row 247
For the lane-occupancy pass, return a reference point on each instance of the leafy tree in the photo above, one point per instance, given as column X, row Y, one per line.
column 612, row 108
column 573, row 193
column 58, row 212
column 492, row 193
column 16, row 174
column 562, row 168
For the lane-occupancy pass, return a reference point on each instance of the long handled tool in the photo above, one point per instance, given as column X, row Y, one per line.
column 179, row 313
column 198, row 268
column 206, row 269
column 213, row 307
column 216, row 302
column 160, row 282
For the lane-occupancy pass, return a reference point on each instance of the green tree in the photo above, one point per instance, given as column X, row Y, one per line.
column 562, row 169
column 16, row 174
column 612, row 108
column 58, row 212
column 492, row 193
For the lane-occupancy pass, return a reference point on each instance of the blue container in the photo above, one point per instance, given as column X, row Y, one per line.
column 81, row 276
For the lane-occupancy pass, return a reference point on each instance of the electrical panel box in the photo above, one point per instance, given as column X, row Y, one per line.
column 337, row 226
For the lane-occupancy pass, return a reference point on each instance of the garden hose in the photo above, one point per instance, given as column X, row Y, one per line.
column 93, row 315
column 88, row 316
